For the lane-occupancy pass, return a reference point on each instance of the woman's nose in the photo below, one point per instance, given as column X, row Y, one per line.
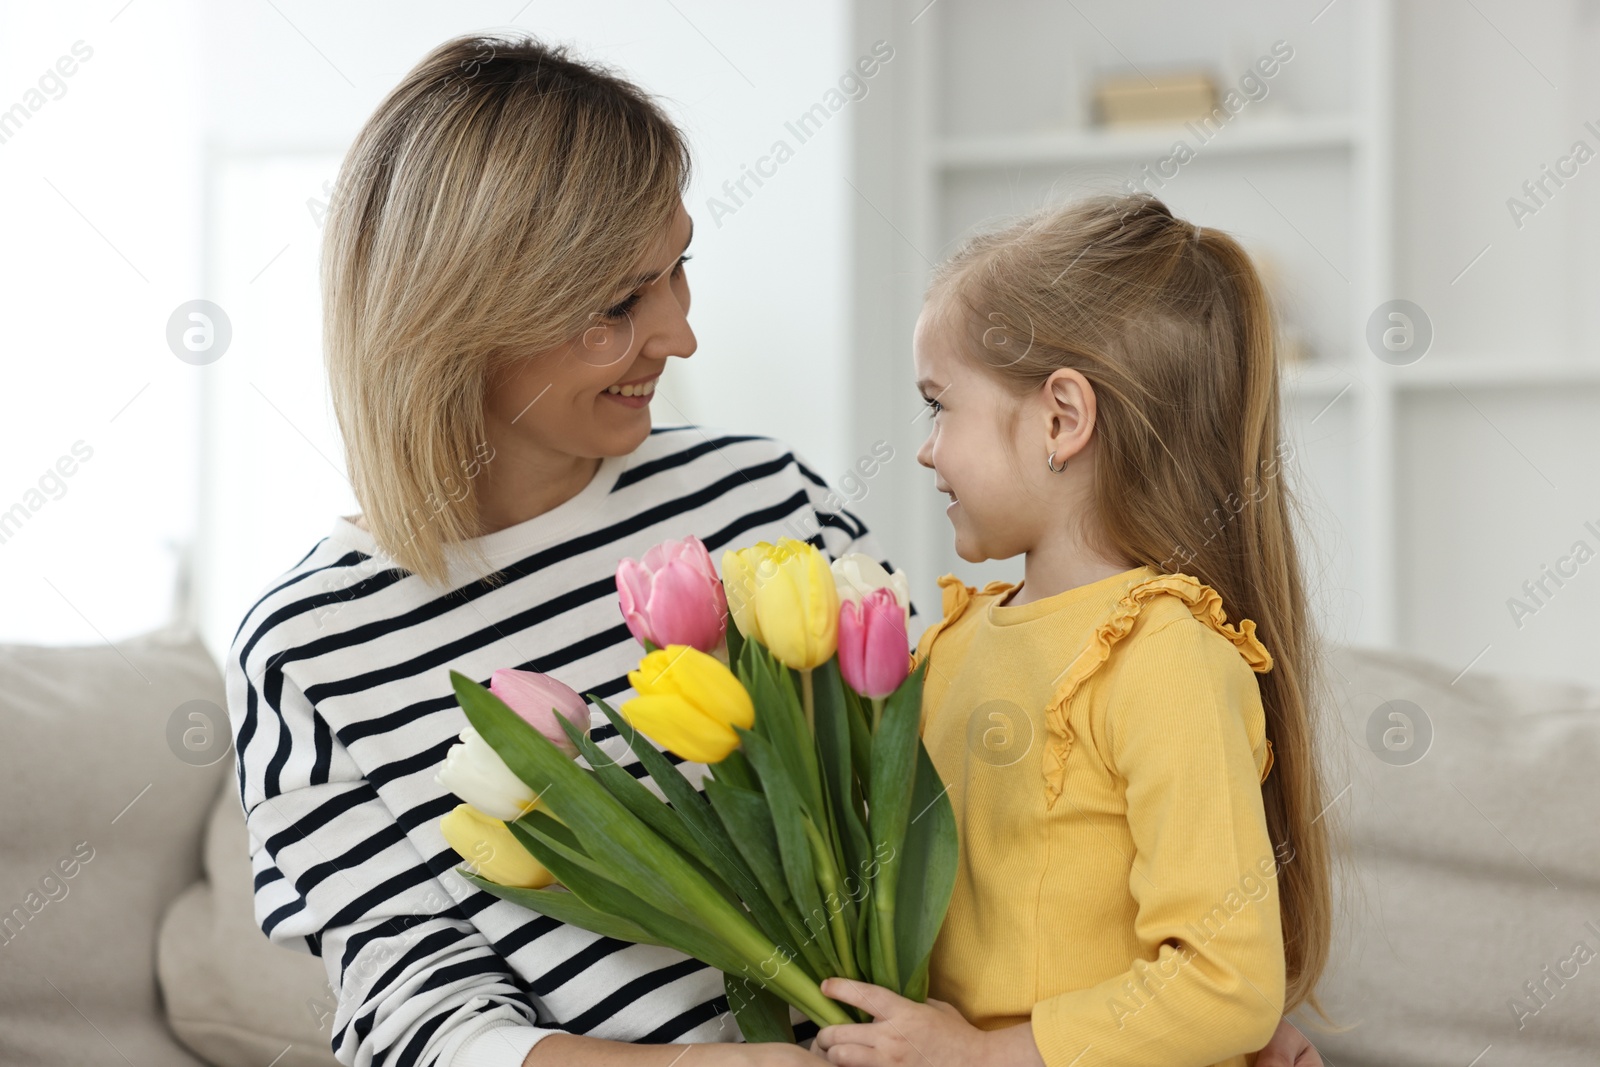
column 672, row 336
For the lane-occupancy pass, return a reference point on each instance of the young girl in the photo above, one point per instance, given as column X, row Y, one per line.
column 1143, row 877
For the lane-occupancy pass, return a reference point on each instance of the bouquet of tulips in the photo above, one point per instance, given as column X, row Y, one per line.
column 823, row 843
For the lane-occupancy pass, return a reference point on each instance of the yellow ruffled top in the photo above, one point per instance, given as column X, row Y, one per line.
column 1203, row 601
column 1129, row 905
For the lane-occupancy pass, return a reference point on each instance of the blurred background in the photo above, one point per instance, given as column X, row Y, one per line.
column 1430, row 153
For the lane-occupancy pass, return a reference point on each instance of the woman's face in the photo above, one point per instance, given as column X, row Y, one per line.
column 567, row 399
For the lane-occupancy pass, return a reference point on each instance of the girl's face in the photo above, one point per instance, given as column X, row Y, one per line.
column 567, row 399
column 969, row 448
column 987, row 448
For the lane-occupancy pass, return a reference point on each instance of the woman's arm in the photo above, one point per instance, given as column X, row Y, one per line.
column 569, row 1050
column 336, row 875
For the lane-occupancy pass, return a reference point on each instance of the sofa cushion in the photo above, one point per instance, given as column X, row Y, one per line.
column 233, row 996
column 1470, row 919
column 114, row 755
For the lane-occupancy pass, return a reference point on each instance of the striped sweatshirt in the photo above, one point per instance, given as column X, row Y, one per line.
column 342, row 711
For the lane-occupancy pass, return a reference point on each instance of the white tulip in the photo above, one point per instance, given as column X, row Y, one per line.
column 475, row 772
column 857, row 575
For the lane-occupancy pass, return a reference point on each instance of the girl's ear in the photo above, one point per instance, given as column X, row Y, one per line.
column 1069, row 400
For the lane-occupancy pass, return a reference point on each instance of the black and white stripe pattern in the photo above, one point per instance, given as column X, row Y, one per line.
column 342, row 711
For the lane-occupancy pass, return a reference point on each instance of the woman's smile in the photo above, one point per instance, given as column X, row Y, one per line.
column 632, row 394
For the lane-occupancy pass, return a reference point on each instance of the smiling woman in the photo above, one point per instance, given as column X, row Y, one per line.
column 580, row 203
column 503, row 286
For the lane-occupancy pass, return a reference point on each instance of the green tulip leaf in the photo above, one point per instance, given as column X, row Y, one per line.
column 927, row 877
column 748, row 820
column 634, row 795
column 780, row 719
column 604, row 895
column 889, row 795
column 860, row 733
column 736, row 642
column 701, row 823
column 847, row 820
column 685, row 912
column 788, row 823
column 563, row 905
column 735, row 770
column 612, row 834
column 556, row 836
column 761, row 1014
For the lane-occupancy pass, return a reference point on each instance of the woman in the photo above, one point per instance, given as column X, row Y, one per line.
column 503, row 285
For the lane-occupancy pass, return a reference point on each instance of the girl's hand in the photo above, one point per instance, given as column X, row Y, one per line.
column 904, row 1033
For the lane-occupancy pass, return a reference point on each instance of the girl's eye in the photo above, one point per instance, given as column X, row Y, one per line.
column 678, row 269
column 933, row 405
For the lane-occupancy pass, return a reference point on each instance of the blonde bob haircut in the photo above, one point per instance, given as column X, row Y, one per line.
column 498, row 198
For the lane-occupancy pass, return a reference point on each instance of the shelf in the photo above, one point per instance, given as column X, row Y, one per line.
column 1443, row 372
column 1314, row 380
column 1243, row 136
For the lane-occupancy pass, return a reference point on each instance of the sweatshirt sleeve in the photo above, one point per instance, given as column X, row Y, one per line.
column 335, row 874
column 1210, row 983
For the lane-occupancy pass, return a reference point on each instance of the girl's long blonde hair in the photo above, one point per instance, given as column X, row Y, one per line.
column 498, row 198
column 1172, row 327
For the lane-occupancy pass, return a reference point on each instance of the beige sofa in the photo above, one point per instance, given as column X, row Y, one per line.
column 128, row 934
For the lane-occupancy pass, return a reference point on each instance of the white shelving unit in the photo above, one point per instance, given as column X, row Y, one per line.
column 1435, row 490
column 964, row 142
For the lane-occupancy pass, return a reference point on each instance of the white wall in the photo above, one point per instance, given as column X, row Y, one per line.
column 194, row 140
column 99, row 181
column 768, row 279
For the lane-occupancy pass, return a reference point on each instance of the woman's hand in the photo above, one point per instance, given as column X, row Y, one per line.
column 1288, row 1048
column 904, row 1032
column 776, row 1054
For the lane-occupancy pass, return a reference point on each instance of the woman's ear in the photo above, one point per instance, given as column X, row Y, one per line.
column 1069, row 409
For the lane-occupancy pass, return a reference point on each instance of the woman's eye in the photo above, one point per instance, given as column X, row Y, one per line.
column 628, row 305
column 623, row 308
column 933, row 405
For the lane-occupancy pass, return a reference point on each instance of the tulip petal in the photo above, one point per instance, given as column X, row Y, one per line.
column 739, row 588
column 685, row 609
column 475, row 772
column 680, row 728
column 538, row 699
column 633, row 594
column 491, row 850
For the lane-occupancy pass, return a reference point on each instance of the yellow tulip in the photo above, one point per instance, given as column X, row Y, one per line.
column 488, row 847
column 785, row 597
column 688, row 702
column 739, row 570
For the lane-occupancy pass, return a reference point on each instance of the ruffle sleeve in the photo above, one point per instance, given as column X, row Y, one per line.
column 1206, row 605
column 955, row 595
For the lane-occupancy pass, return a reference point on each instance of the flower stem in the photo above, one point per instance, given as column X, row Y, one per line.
column 828, row 881
column 809, row 699
column 883, row 901
column 877, row 712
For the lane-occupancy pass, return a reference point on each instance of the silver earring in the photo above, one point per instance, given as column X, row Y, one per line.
column 1051, row 463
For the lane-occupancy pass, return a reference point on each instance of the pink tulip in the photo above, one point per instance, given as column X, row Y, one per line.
column 873, row 656
column 673, row 596
column 539, row 698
